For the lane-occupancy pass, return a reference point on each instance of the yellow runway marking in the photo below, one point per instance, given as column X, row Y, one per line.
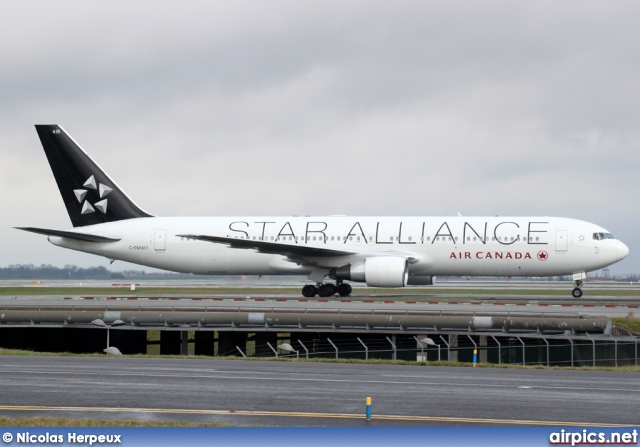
column 381, row 417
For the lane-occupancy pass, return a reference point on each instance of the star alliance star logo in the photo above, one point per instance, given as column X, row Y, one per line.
column 103, row 191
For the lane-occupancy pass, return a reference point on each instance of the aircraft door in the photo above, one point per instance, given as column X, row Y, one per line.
column 160, row 240
column 562, row 240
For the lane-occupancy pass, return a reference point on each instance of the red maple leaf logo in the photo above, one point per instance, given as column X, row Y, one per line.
column 542, row 255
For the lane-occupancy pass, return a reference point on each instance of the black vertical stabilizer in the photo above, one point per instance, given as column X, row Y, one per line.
column 90, row 196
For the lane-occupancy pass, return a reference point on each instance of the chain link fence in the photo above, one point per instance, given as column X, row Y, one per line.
column 557, row 350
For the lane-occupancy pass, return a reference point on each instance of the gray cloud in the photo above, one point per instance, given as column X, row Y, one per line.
column 416, row 108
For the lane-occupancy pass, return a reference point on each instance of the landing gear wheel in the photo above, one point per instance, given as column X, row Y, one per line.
column 326, row 290
column 344, row 289
column 577, row 292
column 309, row 291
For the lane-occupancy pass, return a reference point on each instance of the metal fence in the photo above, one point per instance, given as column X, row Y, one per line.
column 499, row 349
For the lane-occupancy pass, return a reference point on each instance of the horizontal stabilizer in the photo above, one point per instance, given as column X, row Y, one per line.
column 69, row 234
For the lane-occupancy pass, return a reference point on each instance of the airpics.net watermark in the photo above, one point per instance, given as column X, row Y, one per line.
column 70, row 438
column 591, row 437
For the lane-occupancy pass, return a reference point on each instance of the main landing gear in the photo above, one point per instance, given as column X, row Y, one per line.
column 326, row 289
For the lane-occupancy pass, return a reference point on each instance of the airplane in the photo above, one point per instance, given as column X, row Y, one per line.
column 377, row 251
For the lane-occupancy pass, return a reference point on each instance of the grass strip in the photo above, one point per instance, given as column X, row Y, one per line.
column 629, row 323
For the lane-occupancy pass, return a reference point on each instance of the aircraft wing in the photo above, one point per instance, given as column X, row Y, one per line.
column 69, row 234
column 289, row 250
column 294, row 253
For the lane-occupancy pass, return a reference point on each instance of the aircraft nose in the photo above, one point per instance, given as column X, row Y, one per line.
column 621, row 251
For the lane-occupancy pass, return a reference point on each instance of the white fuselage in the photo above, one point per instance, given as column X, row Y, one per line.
column 487, row 246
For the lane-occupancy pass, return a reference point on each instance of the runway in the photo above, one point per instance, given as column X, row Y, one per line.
column 271, row 393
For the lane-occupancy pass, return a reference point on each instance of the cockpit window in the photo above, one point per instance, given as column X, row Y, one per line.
column 609, row 236
column 602, row 236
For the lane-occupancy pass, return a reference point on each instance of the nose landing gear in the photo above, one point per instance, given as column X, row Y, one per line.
column 578, row 283
column 577, row 291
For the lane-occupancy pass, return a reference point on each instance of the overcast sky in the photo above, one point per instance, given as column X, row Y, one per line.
column 332, row 107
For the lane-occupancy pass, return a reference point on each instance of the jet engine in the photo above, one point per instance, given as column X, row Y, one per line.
column 381, row 271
